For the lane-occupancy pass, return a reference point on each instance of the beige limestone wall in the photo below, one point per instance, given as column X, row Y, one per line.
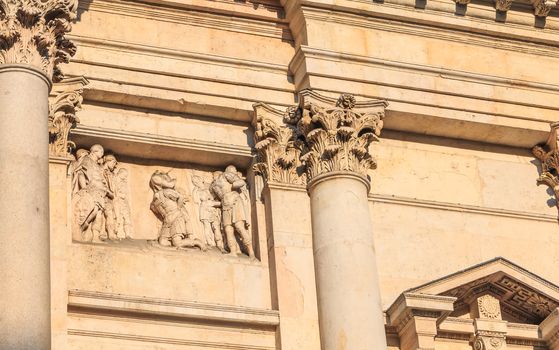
column 440, row 206
column 172, row 85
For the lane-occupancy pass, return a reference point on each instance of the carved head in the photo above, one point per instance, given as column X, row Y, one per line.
column 97, row 151
column 346, row 101
column 122, row 173
column 292, row 115
column 539, row 152
column 80, row 153
column 110, row 162
column 160, row 180
column 231, row 169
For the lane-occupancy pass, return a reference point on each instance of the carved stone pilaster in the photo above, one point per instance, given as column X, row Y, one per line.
column 63, row 105
column 548, row 155
column 543, row 7
column 337, row 134
column 277, row 147
column 32, row 32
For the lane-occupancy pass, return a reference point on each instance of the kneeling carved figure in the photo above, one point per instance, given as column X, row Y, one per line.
column 168, row 204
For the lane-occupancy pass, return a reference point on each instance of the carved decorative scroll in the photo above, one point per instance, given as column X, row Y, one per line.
column 487, row 340
column 32, row 32
column 277, row 147
column 338, row 133
column 63, row 106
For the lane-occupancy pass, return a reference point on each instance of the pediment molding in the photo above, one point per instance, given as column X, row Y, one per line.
column 524, row 296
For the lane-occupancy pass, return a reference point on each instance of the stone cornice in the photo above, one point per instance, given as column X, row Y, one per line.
column 155, row 307
column 479, row 28
column 138, row 144
column 32, row 32
column 462, row 208
column 196, row 16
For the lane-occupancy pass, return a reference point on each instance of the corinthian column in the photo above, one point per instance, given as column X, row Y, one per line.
column 338, row 135
column 331, row 139
column 32, row 44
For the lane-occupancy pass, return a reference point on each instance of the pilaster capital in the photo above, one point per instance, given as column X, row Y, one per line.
column 548, row 155
column 489, row 334
column 66, row 99
column 337, row 133
column 503, row 5
column 543, row 7
column 32, row 32
column 277, row 145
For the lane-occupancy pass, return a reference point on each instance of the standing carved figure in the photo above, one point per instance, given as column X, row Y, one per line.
column 122, row 205
column 109, row 168
column 231, row 189
column 168, row 205
column 92, row 194
column 210, row 215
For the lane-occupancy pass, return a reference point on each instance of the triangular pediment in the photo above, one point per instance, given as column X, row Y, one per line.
column 524, row 297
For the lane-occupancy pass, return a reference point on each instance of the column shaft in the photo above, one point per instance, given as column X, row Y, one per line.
column 349, row 307
column 24, row 209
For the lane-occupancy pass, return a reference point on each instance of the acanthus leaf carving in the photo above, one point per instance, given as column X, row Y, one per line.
column 63, row 108
column 277, row 146
column 503, row 5
column 542, row 8
column 32, row 32
column 337, row 137
column 548, row 155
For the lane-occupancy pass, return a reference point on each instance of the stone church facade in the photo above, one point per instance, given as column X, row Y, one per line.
column 265, row 175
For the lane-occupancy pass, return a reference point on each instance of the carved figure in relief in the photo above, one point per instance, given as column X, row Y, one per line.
column 231, row 189
column 92, row 194
column 168, row 205
column 109, row 168
column 122, row 205
column 210, row 215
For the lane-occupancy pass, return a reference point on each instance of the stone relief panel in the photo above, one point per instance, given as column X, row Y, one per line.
column 99, row 197
column 149, row 206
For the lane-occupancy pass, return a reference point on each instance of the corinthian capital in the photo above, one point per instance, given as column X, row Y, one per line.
column 65, row 101
column 338, row 133
column 277, row 146
column 32, row 32
column 543, row 7
column 548, row 155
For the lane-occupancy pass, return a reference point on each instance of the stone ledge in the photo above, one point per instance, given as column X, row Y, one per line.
column 144, row 145
column 156, row 307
